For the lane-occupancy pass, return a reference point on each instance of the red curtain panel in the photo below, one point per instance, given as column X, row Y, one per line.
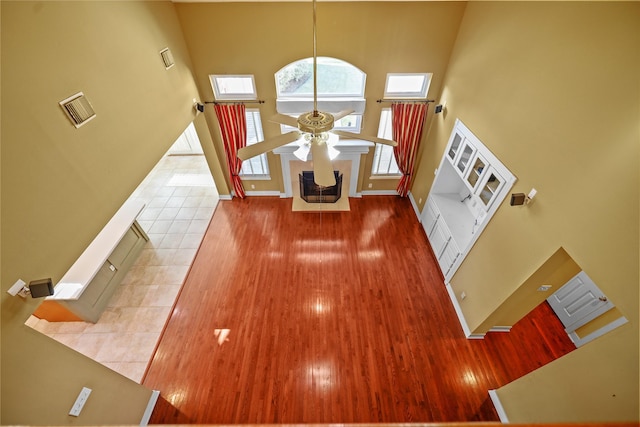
column 407, row 123
column 233, row 127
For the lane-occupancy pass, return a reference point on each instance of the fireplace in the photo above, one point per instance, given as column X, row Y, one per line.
column 311, row 192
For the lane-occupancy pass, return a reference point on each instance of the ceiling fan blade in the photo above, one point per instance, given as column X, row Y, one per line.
column 343, row 113
column 322, row 168
column 365, row 137
column 262, row 147
column 284, row 120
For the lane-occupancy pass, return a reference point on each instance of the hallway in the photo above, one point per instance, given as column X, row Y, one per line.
column 180, row 199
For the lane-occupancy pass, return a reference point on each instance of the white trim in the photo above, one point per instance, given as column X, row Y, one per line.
column 500, row 329
column 379, row 193
column 351, row 149
column 493, row 394
column 415, row 206
column 295, row 106
column 225, row 197
column 263, row 193
column 461, row 319
column 150, row 405
column 596, row 334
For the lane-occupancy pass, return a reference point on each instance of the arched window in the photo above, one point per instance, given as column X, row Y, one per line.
column 340, row 87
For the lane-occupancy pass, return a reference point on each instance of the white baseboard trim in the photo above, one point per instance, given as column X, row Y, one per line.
column 155, row 394
column 415, row 206
column 461, row 319
column 225, row 197
column 500, row 329
column 379, row 193
column 598, row 333
column 498, row 405
column 263, row 193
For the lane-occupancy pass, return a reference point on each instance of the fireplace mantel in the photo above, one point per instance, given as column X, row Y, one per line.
column 350, row 149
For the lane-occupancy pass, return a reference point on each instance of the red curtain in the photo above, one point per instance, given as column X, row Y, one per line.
column 407, row 121
column 233, row 127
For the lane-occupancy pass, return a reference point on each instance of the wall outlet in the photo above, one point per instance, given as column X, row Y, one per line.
column 253, row 187
column 420, row 200
column 463, row 295
column 544, row 288
column 370, row 185
column 80, row 401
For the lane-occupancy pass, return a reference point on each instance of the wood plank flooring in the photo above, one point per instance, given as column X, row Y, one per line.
column 332, row 317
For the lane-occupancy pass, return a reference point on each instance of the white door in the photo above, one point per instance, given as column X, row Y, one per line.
column 578, row 302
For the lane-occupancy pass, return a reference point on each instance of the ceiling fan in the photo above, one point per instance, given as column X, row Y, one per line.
column 315, row 126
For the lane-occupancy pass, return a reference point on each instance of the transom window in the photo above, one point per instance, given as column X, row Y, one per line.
column 407, row 85
column 229, row 87
column 256, row 167
column 336, row 78
column 340, row 87
column 398, row 86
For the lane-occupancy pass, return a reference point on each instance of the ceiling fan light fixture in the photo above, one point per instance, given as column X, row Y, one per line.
column 333, row 153
column 302, row 153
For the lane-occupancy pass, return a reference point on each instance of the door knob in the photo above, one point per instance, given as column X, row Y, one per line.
column 603, row 299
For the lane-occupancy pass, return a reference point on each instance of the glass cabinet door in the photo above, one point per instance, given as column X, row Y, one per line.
column 490, row 187
column 465, row 158
column 475, row 173
column 455, row 146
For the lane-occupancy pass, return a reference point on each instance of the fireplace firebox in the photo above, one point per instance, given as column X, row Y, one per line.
column 311, row 192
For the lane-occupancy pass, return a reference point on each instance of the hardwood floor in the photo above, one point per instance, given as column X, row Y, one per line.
column 333, row 317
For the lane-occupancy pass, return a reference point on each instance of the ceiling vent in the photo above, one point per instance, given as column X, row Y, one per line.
column 167, row 58
column 78, row 109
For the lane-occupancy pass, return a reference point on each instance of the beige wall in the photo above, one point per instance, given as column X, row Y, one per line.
column 552, row 89
column 60, row 185
column 261, row 38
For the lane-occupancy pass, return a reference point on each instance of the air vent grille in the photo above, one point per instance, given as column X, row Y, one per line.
column 78, row 109
column 167, row 58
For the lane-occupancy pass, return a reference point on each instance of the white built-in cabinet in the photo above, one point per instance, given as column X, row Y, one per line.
column 469, row 186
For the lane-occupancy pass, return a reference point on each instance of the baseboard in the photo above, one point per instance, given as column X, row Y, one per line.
column 498, row 405
column 598, row 333
column 225, row 197
column 461, row 319
column 416, row 210
column 155, row 394
column 379, row 193
column 263, row 193
column 500, row 329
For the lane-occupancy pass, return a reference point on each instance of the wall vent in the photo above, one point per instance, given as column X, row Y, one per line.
column 78, row 109
column 167, row 58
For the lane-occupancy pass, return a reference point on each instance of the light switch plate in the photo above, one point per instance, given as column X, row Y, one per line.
column 80, row 401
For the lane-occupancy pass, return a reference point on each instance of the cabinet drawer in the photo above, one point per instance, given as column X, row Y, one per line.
column 430, row 217
column 449, row 256
column 439, row 237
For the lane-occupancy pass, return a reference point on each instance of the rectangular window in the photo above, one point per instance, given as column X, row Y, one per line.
column 233, row 87
column 255, row 167
column 407, row 85
column 384, row 162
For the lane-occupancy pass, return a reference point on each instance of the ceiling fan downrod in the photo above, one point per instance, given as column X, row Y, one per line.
column 315, row 122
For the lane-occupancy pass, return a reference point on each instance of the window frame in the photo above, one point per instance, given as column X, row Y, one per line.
column 215, row 80
column 415, row 94
column 257, row 136
column 384, row 131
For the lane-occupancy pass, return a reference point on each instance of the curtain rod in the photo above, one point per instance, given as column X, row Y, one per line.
column 259, row 101
column 418, row 101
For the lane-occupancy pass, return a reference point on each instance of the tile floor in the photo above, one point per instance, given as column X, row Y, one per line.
column 180, row 199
